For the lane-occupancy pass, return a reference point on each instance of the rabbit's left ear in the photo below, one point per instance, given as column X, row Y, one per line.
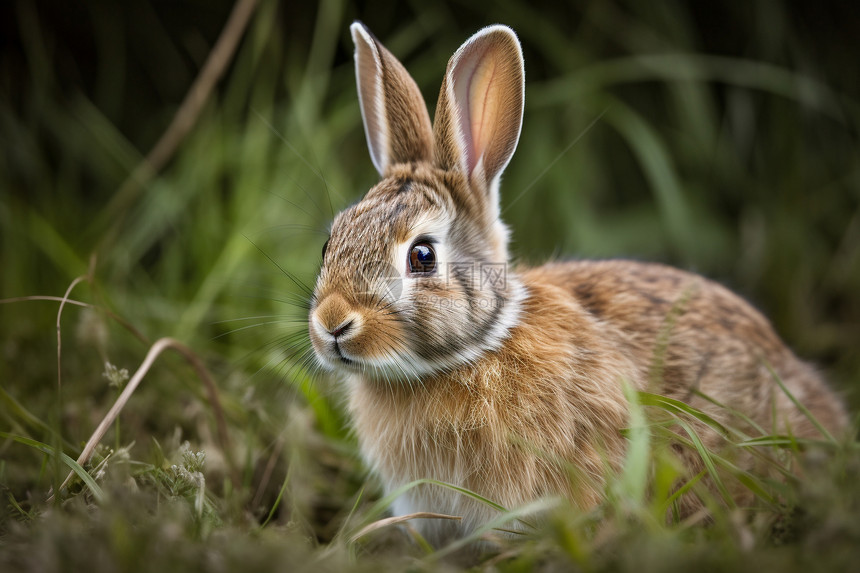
column 394, row 113
column 480, row 111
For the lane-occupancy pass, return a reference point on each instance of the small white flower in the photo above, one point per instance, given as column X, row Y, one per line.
column 116, row 377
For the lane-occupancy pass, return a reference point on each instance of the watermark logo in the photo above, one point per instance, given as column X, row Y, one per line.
column 460, row 274
column 480, row 302
column 478, row 276
column 493, row 275
column 380, row 278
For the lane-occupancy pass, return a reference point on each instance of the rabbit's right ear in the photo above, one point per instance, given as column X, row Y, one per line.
column 480, row 111
column 395, row 116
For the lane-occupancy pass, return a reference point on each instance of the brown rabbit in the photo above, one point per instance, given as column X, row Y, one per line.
column 464, row 369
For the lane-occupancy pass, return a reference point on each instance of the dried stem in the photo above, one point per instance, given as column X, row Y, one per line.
column 156, row 349
column 187, row 114
column 123, row 322
column 379, row 524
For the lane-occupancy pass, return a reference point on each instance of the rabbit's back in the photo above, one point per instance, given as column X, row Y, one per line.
column 688, row 336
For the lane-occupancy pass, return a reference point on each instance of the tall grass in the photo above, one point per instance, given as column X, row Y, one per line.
column 720, row 139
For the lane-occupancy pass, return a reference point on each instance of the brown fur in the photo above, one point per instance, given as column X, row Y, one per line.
column 404, row 112
column 501, row 426
column 504, row 426
column 514, row 390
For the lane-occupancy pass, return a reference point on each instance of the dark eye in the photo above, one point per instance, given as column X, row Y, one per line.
column 422, row 258
column 325, row 248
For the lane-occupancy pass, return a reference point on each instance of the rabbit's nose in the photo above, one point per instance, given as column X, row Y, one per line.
column 342, row 328
column 334, row 317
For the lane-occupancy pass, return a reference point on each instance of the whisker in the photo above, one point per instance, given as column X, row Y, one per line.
column 291, row 227
column 285, row 272
column 259, row 317
column 247, row 327
column 299, row 155
column 296, row 205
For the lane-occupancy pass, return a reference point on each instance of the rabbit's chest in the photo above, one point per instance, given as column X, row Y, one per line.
column 489, row 444
column 444, row 439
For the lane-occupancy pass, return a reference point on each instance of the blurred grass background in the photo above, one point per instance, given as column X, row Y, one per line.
column 721, row 138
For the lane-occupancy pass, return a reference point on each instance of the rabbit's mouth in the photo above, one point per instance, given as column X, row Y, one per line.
column 331, row 349
column 341, row 357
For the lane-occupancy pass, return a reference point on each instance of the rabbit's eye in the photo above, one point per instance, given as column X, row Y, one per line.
column 325, row 248
column 422, row 258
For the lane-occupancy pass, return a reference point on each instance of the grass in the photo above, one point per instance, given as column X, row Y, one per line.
column 657, row 132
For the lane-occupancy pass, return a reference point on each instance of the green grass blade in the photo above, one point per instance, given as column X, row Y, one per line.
column 677, row 407
column 634, row 475
column 498, row 523
column 19, row 412
column 707, row 459
column 383, row 504
column 72, row 464
column 280, row 497
column 737, row 413
column 800, row 406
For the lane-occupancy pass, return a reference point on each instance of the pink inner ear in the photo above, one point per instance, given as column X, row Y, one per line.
column 478, row 103
column 483, row 106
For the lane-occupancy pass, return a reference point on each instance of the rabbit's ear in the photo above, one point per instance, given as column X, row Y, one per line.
column 480, row 109
column 395, row 116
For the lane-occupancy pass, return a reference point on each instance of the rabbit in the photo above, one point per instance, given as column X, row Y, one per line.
column 509, row 381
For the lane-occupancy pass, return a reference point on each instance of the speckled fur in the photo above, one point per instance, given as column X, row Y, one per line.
column 520, row 397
